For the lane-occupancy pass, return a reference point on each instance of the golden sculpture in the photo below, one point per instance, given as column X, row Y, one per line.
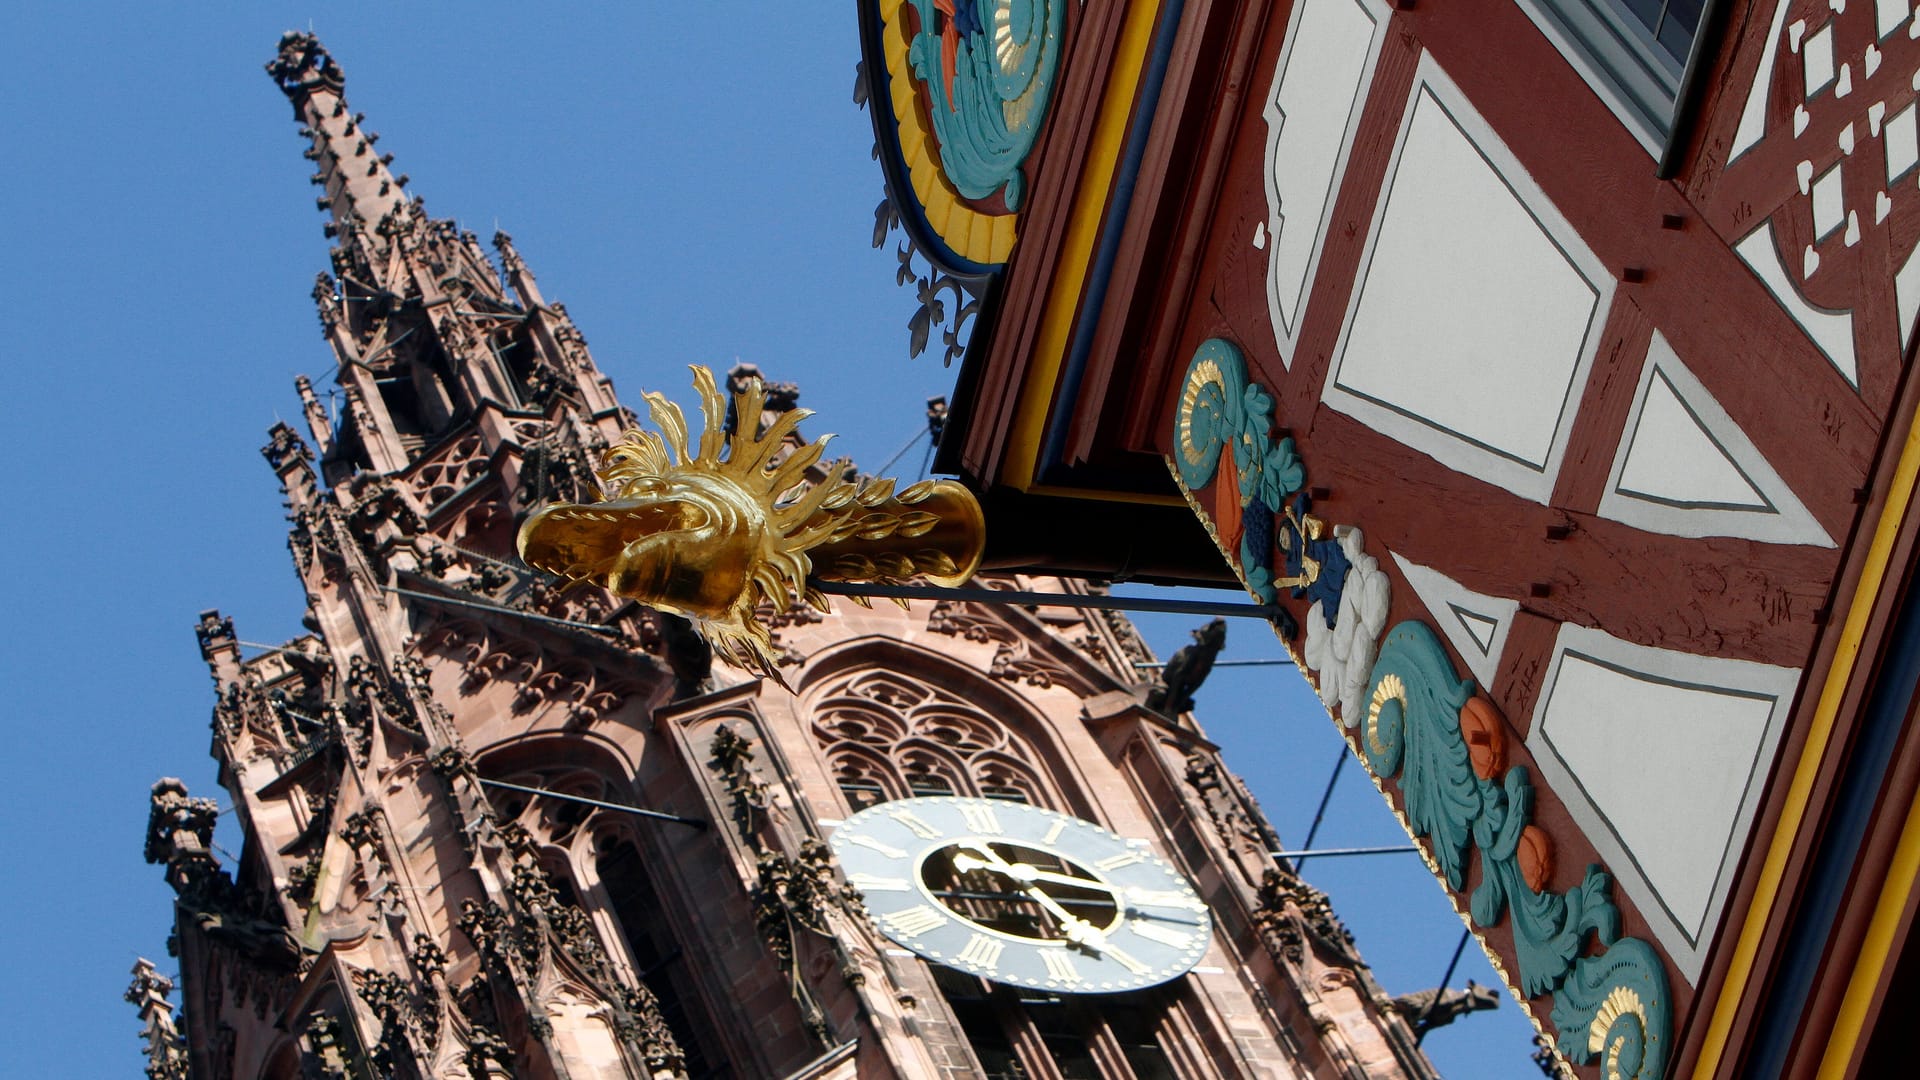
column 714, row 534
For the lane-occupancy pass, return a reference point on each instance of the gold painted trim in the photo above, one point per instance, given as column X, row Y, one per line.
column 1876, row 950
column 1083, row 230
column 983, row 238
column 1793, row 814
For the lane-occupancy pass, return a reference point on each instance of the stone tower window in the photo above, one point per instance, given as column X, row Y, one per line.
column 595, row 861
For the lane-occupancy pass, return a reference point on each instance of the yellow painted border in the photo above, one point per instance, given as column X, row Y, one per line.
column 1799, row 792
column 1876, row 951
column 1076, row 252
column 982, row 238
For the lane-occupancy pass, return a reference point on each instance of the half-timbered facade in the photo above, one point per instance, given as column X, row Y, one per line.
column 1545, row 364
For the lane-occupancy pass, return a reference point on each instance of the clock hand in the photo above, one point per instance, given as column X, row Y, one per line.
column 1026, row 872
column 1078, row 930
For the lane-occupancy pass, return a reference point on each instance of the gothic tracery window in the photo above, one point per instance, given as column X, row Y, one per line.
column 887, row 735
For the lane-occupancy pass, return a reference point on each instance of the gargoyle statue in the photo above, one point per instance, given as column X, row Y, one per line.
column 1429, row 1009
column 1187, row 670
column 712, row 534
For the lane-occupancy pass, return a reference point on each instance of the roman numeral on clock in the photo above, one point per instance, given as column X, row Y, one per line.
column 1115, row 862
column 1059, row 966
column 882, row 847
column 1053, row 833
column 915, row 824
column 867, row 883
column 980, row 819
column 1125, row 960
column 913, row 922
column 981, row 951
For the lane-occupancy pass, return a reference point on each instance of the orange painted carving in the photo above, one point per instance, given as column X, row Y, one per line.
column 1486, row 736
column 1535, row 856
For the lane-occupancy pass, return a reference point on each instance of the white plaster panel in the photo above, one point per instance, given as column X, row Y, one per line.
column 1889, row 15
column 1661, row 758
column 1312, row 111
column 1906, row 295
column 1829, row 208
column 1832, row 331
column 1474, row 623
column 1685, row 468
column 1816, row 59
column 1673, row 459
column 1902, row 142
column 1753, row 115
column 1474, row 321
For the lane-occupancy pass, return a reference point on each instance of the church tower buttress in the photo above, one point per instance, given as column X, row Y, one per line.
column 490, row 828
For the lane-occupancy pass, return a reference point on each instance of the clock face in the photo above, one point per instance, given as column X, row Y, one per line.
column 1021, row 895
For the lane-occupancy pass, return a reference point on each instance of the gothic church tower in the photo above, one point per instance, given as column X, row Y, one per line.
column 491, row 830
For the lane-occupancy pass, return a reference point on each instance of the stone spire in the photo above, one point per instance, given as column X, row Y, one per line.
column 358, row 191
column 431, row 342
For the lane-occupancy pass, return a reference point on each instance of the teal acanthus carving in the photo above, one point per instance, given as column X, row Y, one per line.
column 1220, row 407
column 988, row 66
column 1615, row 1005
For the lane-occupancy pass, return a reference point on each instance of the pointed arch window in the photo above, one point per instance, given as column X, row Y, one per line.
column 887, row 735
column 596, row 863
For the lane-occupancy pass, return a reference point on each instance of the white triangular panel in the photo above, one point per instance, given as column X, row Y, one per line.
column 1481, row 628
column 1684, row 467
column 1475, row 624
column 1672, row 459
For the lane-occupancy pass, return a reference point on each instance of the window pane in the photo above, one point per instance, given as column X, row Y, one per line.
column 1066, row 1043
column 657, row 956
column 1678, row 29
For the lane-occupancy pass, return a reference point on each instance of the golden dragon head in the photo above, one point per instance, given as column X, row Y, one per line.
column 713, row 534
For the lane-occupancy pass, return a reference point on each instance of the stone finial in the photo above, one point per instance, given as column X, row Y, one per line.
column 303, row 63
column 178, row 824
column 510, row 260
column 214, row 631
column 166, row 1050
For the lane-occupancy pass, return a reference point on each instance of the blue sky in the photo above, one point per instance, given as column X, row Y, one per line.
column 692, row 181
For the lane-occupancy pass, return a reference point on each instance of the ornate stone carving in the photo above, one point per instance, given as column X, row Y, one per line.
column 1429, row 1009
column 166, row 1048
column 732, row 761
column 1289, row 907
column 1187, row 670
column 878, row 726
column 797, row 893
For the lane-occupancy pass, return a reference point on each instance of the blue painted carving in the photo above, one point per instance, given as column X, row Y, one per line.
column 1615, row 1004
column 1316, row 566
column 1210, row 412
column 1256, row 550
column 988, row 66
column 1219, row 407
